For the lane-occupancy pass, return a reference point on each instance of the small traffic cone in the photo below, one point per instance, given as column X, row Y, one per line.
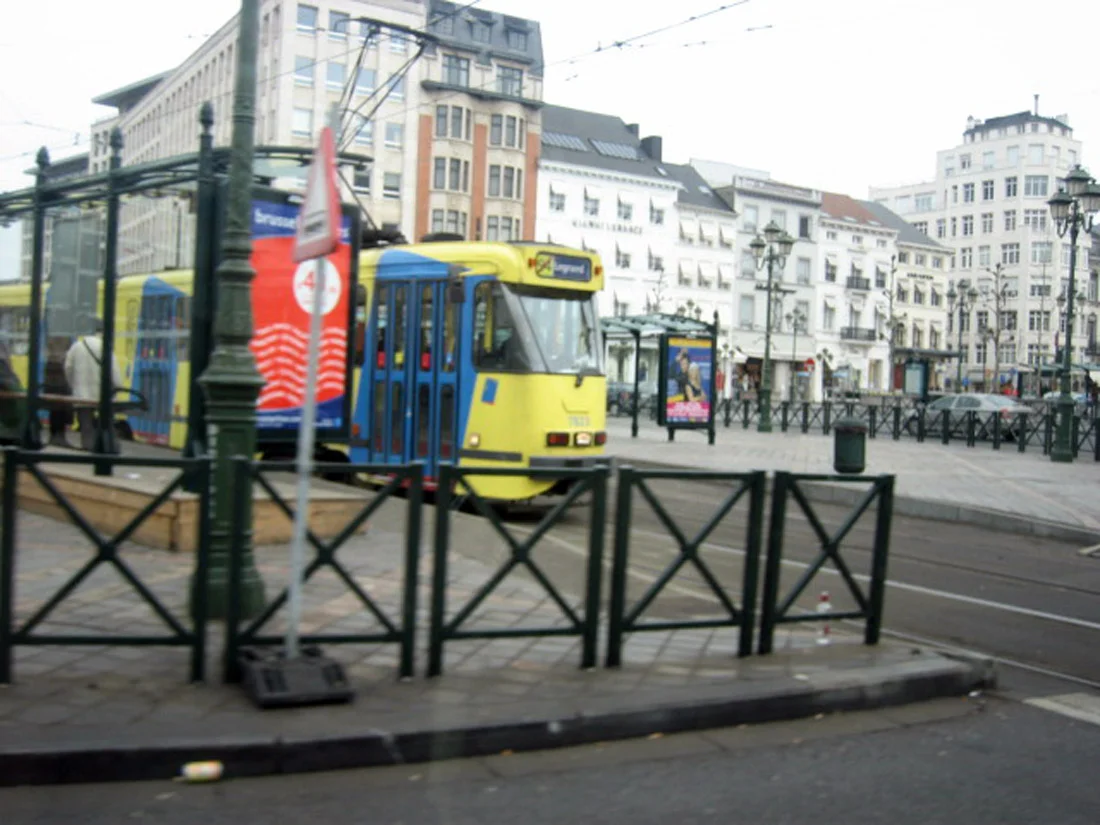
column 823, row 609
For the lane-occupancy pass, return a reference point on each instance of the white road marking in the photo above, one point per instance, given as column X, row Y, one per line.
column 1084, row 707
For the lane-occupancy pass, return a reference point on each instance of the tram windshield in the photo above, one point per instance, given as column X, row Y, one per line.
column 532, row 329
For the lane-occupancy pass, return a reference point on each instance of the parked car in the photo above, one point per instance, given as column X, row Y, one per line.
column 984, row 405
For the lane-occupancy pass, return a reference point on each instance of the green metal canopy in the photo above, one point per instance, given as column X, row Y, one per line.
column 653, row 324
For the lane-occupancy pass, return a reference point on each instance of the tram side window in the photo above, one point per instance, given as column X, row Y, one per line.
column 183, row 328
column 360, row 324
column 497, row 345
column 450, row 326
column 383, row 317
column 425, row 355
column 15, row 325
column 400, row 302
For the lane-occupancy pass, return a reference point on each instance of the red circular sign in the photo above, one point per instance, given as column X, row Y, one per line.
column 809, row 365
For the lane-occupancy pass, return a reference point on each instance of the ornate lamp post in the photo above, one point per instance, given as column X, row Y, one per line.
column 1072, row 210
column 797, row 320
column 232, row 382
column 771, row 253
column 966, row 297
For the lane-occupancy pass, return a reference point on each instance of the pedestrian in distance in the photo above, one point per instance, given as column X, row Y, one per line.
column 83, row 364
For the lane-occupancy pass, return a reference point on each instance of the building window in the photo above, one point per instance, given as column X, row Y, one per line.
column 802, row 270
column 1010, row 253
column 626, row 211
column 968, row 225
column 339, row 24
column 966, row 258
column 987, row 223
column 301, row 123
column 557, row 202
column 924, row 202
column 334, row 75
column 517, row 40
column 456, row 175
column 437, row 220
column 1041, row 252
column 1010, row 187
column 804, row 224
column 1035, row 219
column 457, row 117
column 510, row 131
column 591, row 206
column 510, row 81
column 748, row 264
column 828, row 317
column 1035, row 153
column 365, row 134
column 941, row 228
column 496, row 130
column 880, row 278
column 656, row 263
column 750, row 218
column 987, row 190
column 441, row 121
column 857, row 240
column 984, row 258
column 391, row 186
column 303, row 71
column 987, row 160
column 1010, row 220
column 399, row 42
column 746, row 311
column 968, row 193
column 456, row 70
column 439, row 174
column 307, row 18
column 656, row 216
column 622, row 259
column 397, row 88
column 367, row 80
column 456, row 222
column 361, row 181
column 494, row 181
column 395, row 135
column 964, row 161
column 1035, row 186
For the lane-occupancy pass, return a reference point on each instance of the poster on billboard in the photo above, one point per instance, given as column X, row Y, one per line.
column 687, row 382
column 282, row 301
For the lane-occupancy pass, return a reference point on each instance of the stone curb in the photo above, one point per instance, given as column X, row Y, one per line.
column 925, row 677
column 920, row 508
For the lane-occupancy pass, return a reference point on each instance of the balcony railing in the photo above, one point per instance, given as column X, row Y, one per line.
column 857, row 334
column 855, row 282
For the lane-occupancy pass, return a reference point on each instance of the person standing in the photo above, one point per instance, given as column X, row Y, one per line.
column 83, row 364
column 54, row 382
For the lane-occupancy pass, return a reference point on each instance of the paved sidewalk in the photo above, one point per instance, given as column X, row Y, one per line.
column 88, row 714
column 956, row 482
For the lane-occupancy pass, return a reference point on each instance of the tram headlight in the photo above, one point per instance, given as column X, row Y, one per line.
column 475, row 440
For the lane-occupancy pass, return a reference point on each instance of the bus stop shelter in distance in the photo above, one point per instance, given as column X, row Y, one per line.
column 677, row 334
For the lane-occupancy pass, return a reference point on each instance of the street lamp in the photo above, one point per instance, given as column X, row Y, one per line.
column 966, row 297
column 1072, row 210
column 770, row 252
column 795, row 319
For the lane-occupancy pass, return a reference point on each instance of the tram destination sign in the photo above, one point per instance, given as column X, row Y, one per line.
column 563, row 267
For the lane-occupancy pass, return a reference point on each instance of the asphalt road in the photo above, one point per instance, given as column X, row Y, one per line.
column 1019, row 598
column 959, row 760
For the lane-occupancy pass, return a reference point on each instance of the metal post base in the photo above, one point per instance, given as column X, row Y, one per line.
column 273, row 681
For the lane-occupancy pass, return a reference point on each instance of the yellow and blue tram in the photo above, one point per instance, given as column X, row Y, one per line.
column 483, row 354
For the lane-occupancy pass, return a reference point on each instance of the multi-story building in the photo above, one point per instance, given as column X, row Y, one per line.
column 915, row 305
column 795, row 319
column 665, row 237
column 451, row 137
column 988, row 205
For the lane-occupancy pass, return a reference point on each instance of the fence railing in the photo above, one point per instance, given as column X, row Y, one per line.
column 584, row 623
column 400, row 630
column 739, row 519
column 776, row 611
column 624, row 619
column 182, row 631
column 904, row 420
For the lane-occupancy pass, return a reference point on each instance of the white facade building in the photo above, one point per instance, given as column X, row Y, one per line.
column 988, row 205
column 796, row 210
column 664, row 236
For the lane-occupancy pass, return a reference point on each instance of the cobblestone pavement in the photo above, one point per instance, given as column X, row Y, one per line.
column 1028, row 485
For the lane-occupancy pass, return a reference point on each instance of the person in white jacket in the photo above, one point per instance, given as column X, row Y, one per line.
column 83, row 363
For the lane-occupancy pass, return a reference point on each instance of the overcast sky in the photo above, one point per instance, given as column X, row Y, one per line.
column 834, row 94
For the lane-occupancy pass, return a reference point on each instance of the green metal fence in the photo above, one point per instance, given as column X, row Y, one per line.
column 775, row 611
column 623, row 620
column 584, row 624
column 185, row 632
column 398, row 630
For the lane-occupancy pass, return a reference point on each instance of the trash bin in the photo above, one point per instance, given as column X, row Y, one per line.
column 850, row 445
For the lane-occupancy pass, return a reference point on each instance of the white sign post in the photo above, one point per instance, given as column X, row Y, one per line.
column 318, row 235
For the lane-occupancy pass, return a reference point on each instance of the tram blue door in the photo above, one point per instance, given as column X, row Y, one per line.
column 414, row 373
